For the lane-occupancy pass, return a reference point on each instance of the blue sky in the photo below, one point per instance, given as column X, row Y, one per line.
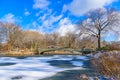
column 49, row 15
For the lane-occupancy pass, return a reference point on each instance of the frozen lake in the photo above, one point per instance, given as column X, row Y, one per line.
column 56, row 67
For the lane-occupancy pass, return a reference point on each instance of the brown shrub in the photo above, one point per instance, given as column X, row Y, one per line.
column 108, row 64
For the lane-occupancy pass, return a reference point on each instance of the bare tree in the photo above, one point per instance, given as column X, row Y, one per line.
column 31, row 39
column 1, row 32
column 99, row 21
column 12, row 35
column 55, row 38
column 71, row 37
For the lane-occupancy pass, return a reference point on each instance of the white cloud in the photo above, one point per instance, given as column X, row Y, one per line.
column 46, row 15
column 46, row 12
column 9, row 18
column 40, row 4
column 34, row 26
column 80, row 7
column 26, row 13
column 65, row 27
column 116, row 32
column 116, row 28
column 48, row 21
column 118, row 36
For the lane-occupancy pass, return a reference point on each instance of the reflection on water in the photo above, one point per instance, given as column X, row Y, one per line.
column 36, row 68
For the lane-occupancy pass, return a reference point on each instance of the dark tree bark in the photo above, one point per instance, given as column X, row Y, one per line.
column 99, row 39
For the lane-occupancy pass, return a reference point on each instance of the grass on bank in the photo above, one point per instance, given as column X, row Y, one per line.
column 108, row 64
column 33, row 52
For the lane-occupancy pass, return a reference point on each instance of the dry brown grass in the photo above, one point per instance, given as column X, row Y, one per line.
column 108, row 64
column 18, row 53
column 57, row 52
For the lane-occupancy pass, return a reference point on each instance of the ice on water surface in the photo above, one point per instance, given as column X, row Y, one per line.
column 33, row 68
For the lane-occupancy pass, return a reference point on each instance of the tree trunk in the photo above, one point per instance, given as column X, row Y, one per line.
column 69, row 44
column 99, row 40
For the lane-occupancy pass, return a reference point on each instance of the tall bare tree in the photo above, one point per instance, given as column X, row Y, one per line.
column 1, row 32
column 71, row 37
column 99, row 21
column 31, row 39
